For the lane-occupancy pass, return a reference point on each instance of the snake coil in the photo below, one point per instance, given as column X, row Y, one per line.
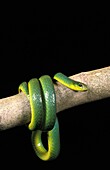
column 42, row 97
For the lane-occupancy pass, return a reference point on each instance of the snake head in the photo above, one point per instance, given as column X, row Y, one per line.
column 78, row 86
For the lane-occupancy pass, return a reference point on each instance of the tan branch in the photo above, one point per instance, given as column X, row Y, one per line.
column 15, row 110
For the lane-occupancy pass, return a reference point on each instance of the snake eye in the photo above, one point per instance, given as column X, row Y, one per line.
column 80, row 85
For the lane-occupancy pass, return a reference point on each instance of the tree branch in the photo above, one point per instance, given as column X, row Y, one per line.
column 15, row 110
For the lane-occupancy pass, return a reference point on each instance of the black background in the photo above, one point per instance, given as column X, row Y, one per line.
column 48, row 44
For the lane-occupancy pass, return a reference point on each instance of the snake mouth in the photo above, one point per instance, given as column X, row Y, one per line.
column 81, row 86
column 78, row 86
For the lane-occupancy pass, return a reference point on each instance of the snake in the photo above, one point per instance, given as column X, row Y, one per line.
column 41, row 95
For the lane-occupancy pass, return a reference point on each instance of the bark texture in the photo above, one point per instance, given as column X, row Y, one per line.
column 15, row 110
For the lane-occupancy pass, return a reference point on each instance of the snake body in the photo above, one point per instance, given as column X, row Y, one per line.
column 41, row 95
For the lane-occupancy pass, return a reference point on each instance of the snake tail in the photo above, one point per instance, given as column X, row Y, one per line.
column 53, row 149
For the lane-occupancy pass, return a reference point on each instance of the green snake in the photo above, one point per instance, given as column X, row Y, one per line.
column 42, row 97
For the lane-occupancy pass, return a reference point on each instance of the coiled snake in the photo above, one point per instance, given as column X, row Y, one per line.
column 41, row 95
